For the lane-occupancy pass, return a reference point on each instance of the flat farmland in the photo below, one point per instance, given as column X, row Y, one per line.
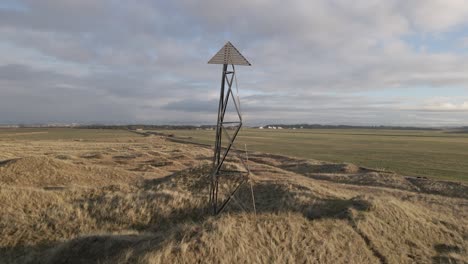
column 428, row 153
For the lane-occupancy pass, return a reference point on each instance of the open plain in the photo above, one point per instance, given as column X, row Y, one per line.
column 440, row 154
column 113, row 196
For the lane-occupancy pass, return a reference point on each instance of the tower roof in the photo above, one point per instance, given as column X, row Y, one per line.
column 229, row 55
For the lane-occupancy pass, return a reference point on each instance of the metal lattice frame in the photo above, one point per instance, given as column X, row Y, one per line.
column 227, row 55
column 220, row 154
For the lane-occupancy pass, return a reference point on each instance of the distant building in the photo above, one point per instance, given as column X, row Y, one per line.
column 260, row 127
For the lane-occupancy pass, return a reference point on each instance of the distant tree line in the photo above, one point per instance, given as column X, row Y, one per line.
column 462, row 129
column 284, row 126
column 148, row 127
column 315, row 126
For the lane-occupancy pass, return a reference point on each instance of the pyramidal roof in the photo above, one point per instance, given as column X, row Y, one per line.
column 229, row 55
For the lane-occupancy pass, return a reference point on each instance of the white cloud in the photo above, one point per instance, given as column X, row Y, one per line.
column 142, row 56
column 436, row 15
column 445, row 104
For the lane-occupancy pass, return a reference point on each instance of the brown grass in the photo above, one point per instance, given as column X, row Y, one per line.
column 43, row 171
column 143, row 201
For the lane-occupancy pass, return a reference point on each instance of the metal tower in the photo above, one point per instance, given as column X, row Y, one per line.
column 227, row 56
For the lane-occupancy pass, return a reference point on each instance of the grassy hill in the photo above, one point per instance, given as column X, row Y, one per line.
column 133, row 199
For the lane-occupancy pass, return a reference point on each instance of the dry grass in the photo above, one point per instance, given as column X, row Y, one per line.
column 142, row 200
column 44, row 171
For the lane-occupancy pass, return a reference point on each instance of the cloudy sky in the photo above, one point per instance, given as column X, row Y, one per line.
column 364, row 62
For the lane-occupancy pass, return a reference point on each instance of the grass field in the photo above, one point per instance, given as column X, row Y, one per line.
column 61, row 134
column 408, row 152
column 113, row 196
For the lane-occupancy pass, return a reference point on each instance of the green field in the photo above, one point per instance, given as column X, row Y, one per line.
column 408, row 152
